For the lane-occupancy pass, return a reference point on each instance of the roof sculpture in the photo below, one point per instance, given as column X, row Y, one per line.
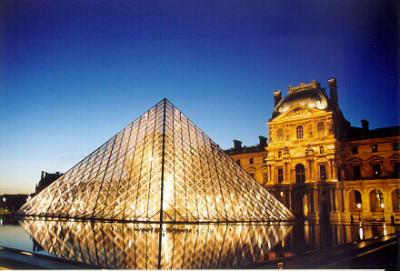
column 160, row 168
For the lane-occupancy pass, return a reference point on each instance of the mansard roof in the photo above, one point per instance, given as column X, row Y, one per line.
column 357, row 133
column 305, row 95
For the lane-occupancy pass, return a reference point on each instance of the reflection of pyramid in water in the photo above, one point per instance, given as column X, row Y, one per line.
column 138, row 245
column 161, row 167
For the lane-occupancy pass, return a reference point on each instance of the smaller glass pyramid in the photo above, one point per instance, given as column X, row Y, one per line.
column 160, row 168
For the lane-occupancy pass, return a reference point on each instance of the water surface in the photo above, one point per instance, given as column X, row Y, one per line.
column 141, row 245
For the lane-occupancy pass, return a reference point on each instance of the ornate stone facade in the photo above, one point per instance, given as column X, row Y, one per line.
column 320, row 166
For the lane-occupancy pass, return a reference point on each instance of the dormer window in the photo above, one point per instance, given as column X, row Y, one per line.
column 300, row 132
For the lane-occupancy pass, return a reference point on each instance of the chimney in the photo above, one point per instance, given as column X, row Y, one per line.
column 277, row 96
column 263, row 141
column 333, row 90
column 365, row 125
column 57, row 173
column 237, row 145
column 42, row 176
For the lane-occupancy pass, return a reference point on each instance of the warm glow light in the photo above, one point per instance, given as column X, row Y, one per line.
column 26, row 253
column 361, row 233
column 359, row 205
column 382, row 205
column 4, row 199
column 168, row 192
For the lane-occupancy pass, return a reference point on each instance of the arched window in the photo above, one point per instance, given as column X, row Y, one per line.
column 300, row 173
column 300, row 132
column 279, row 134
column 321, row 128
column 355, row 201
column 376, row 203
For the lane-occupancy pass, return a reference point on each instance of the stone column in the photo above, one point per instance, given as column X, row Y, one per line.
column 286, row 171
column 316, row 200
column 334, row 169
column 330, row 165
column 274, row 178
column 388, row 204
column 365, row 203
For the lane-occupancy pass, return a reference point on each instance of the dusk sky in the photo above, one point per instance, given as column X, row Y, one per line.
column 73, row 73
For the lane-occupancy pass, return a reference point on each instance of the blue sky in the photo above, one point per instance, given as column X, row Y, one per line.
column 73, row 73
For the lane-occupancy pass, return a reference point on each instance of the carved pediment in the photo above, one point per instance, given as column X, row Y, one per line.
column 298, row 112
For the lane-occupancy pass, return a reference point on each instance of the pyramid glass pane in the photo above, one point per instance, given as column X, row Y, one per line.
column 160, row 168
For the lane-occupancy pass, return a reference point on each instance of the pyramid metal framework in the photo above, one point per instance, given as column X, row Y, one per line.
column 160, row 168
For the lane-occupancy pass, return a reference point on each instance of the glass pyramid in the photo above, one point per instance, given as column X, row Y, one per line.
column 160, row 168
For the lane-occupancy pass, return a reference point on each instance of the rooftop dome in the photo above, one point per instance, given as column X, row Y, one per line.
column 304, row 95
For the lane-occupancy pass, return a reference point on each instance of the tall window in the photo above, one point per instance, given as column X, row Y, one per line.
column 279, row 134
column 280, row 174
column 300, row 132
column 321, row 128
column 322, row 171
column 354, row 150
column 377, row 169
column 321, row 149
column 396, row 146
column 279, row 154
column 300, row 173
column 251, row 160
column 357, row 172
column 374, row 148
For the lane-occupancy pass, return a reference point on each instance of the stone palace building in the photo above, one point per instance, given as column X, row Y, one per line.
column 319, row 165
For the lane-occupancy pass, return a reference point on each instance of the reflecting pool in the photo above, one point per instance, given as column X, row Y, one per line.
column 177, row 246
